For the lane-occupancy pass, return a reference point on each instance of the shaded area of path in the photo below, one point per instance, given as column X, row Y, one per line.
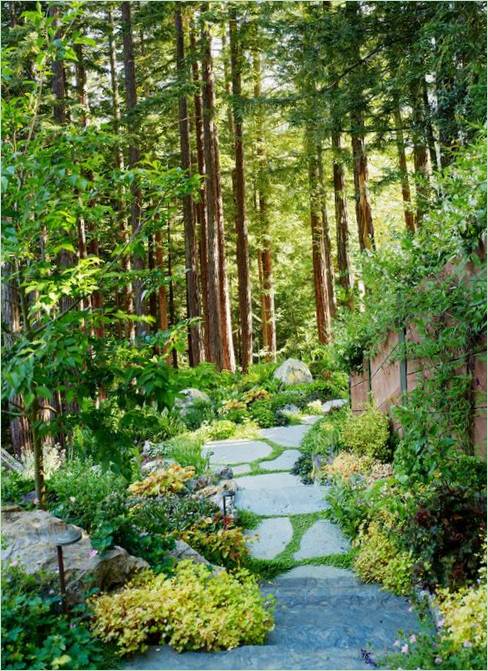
column 325, row 618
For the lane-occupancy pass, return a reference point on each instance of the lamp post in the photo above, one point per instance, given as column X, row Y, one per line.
column 227, row 496
column 61, row 534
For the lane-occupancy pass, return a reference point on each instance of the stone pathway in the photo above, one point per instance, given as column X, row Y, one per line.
column 325, row 618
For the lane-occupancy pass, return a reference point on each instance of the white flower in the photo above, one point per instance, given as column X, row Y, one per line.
column 438, row 660
column 404, row 649
column 72, row 499
column 413, row 638
column 467, row 644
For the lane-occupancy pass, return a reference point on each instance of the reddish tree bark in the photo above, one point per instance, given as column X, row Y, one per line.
column 329, row 270
column 192, row 290
column 242, row 251
column 402, row 164
column 342, row 227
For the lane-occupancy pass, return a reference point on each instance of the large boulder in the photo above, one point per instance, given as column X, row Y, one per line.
column 28, row 544
column 188, row 397
column 182, row 551
column 293, row 371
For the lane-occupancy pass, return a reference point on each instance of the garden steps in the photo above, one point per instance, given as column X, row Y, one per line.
column 324, row 618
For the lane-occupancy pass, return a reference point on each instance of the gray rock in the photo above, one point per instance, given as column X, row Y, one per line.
column 284, row 462
column 289, row 409
column 242, row 469
column 151, row 466
column 293, row 371
column 182, row 551
column 224, row 473
column 287, row 436
column 27, row 542
column 331, row 405
column 270, row 538
column 188, row 397
column 332, row 573
column 279, row 494
column 322, row 538
column 236, row 451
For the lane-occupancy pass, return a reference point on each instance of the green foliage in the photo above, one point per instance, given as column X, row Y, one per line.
column 170, row 480
column 224, row 546
column 186, row 450
column 14, row 486
column 195, row 610
column 263, row 414
column 367, row 434
column 198, row 413
column 171, row 514
column 221, row 429
column 37, row 635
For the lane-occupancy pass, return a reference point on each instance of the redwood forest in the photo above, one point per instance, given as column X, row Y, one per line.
column 243, row 334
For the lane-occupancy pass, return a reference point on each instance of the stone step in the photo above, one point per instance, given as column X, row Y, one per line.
column 251, row 657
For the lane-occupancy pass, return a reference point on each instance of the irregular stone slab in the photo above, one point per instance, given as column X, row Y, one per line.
column 279, row 494
column 284, row 462
column 287, row 436
column 293, row 371
column 310, row 419
column 242, row 469
column 322, row 538
column 320, row 573
column 29, row 543
column 270, row 538
column 236, row 451
column 336, row 403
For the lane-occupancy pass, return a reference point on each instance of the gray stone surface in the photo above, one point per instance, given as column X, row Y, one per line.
column 336, row 403
column 236, row 451
column 279, row 494
column 293, row 371
column 270, row 538
column 242, row 469
column 187, row 398
column 340, row 575
column 322, row 538
column 287, row 436
column 282, row 463
column 310, row 419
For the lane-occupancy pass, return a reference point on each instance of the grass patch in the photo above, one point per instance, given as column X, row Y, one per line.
column 266, row 569
column 248, row 520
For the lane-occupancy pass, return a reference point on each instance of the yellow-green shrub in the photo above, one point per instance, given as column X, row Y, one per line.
column 464, row 614
column 164, row 481
column 220, row 546
column 367, row 434
column 194, row 610
column 379, row 560
column 346, row 464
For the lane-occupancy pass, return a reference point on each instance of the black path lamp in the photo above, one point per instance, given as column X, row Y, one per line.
column 60, row 534
column 227, row 496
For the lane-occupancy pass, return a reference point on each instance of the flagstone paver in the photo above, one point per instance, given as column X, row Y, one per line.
column 270, row 538
column 236, row 451
column 322, row 538
column 325, row 617
column 284, row 462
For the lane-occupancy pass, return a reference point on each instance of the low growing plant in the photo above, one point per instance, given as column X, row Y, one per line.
column 367, row 433
column 194, row 610
column 219, row 545
column 169, row 480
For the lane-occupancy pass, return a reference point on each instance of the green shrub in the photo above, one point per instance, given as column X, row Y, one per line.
column 14, row 486
column 195, row 610
column 263, row 414
column 198, row 413
column 348, row 505
column 221, row 429
column 367, row 434
column 36, row 635
column 380, row 560
column 77, row 489
column 219, row 545
column 303, row 467
column 170, row 514
column 186, row 450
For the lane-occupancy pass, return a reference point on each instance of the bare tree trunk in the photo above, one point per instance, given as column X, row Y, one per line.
column 20, row 433
column 192, row 292
column 318, row 261
column 201, row 206
column 329, row 270
column 242, row 252
column 342, row 227
column 119, row 162
column 360, row 167
column 420, row 155
column 134, row 154
column 221, row 344
column 268, row 321
column 402, row 164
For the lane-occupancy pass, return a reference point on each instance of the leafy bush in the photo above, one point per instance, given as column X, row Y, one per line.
column 367, row 434
column 194, row 610
column 170, row 513
column 221, row 429
column 36, row 635
column 186, row 450
column 222, row 546
column 379, row 559
column 234, row 410
column 303, row 467
column 198, row 413
column 15, row 486
column 78, row 488
column 348, row 505
column 263, row 414
column 345, row 465
column 166, row 480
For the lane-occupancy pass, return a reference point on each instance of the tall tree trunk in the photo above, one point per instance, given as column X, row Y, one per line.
column 222, row 349
column 192, row 291
column 342, row 227
column 360, row 168
column 134, row 155
column 119, row 162
column 420, row 155
column 268, row 321
column 429, row 128
column 402, row 164
column 318, row 261
column 172, row 311
column 329, row 270
column 242, row 251
column 20, row 433
column 201, row 205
